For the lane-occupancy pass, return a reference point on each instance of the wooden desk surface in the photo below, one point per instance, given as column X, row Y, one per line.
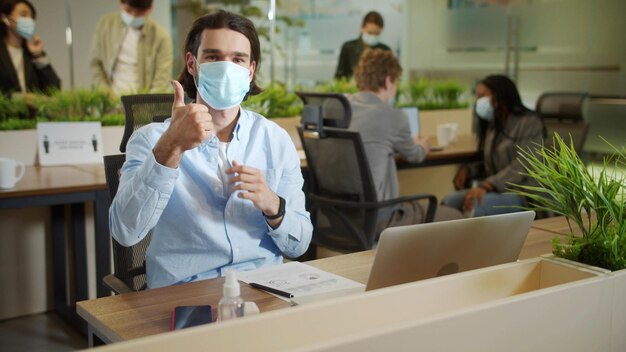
column 45, row 180
column 465, row 146
column 137, row 314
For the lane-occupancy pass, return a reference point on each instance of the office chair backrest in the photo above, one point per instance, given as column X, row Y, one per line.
column 561, row 106
column 339, row 171
column 128, row 262
column 334, row 107
column 562, row 114
column 142, row 109
column 577, row 131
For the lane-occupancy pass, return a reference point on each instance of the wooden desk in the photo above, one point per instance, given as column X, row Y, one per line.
column 57, row 186
column 137, row 314
column 463, row 151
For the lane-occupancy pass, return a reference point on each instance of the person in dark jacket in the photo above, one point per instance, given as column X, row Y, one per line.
column 351, row 51
column 504, row 126
column 24, row 65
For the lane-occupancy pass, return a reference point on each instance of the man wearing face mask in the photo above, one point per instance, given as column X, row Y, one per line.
column 220, row 186
column 504, row 126
column 351, row 51
column 131, row 53
column 385, row 131
column 24, row 65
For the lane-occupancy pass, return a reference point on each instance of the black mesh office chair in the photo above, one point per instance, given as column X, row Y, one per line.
column 129, row 263
column 142, row 109
column 562, row 114
column 334, row 108
column 342, row 198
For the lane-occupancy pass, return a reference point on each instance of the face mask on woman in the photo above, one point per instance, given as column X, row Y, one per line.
column 484, row 109
column 369, row 39
column 222, row 84
column 25, row 27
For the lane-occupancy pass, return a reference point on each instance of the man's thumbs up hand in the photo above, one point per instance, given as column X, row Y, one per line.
column 190, row 125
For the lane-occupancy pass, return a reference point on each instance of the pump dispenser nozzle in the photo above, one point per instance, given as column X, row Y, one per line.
column 231, row 305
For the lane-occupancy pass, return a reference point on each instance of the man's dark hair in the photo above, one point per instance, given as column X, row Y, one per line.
column 218, row 20
column 139, row 4
column 373, row 17
column 6, row 7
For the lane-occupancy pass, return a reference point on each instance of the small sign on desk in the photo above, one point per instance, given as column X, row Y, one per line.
column 69, row 143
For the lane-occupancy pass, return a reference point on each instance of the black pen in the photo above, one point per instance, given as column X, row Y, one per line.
column 271, row 290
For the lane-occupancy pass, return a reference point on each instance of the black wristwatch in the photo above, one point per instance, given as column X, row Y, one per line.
column 281, row 210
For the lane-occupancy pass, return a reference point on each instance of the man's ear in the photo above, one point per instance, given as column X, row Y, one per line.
column 191, row 64
column 252, row 69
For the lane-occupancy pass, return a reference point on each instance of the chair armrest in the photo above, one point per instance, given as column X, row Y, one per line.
column 115, row 284
column 430, row 212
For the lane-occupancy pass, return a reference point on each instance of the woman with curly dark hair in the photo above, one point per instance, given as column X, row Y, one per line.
column 504, row 126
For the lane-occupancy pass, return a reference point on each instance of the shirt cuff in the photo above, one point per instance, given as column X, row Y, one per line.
column 41, row 62
column 157, row 176
column 286, row 228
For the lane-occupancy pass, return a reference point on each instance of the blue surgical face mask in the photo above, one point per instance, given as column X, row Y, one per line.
column 484, row 109
column 25, row 27
column 369, row 39
column 131, row 21
column 222, row 84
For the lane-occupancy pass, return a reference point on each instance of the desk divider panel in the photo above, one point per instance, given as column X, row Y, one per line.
column 533, row 304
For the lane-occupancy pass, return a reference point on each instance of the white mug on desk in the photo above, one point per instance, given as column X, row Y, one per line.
column 8, row 170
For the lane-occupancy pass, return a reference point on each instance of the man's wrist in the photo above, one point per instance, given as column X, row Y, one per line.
column 278, row 213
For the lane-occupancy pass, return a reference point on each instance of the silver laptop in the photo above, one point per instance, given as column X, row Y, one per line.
column 416, row 252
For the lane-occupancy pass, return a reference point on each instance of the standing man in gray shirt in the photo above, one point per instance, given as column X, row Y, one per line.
column 385, row 131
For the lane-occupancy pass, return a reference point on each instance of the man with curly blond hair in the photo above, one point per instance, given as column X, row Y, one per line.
column 385, row 131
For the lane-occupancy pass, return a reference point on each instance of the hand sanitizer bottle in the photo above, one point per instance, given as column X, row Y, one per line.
column 231, row 305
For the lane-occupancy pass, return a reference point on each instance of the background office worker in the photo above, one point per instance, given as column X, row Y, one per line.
column 221, row 185
column 130, row 52
column 385, row 131
column 24, row 65
column 351, row 51
column 505, row 125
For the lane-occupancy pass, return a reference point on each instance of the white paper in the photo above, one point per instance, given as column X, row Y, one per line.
column 62, row 143
column 412, row 114
column 300, row 280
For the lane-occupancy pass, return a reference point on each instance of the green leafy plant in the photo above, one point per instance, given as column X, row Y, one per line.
column 342, row 85
column 567, row 187
column 23, row 112
column 13, row 108
column 275, row 101
column 433, row 94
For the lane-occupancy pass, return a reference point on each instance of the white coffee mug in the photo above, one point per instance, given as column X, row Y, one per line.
column 11, row 171
column 444, row 135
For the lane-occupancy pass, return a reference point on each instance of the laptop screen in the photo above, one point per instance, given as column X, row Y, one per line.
column 412, row 114
column 416, row 252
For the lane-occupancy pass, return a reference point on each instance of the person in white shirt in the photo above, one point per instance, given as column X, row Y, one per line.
column 131, row 53
column 220, row 186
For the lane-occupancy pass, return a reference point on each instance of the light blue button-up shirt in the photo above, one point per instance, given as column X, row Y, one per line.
column 200, row 229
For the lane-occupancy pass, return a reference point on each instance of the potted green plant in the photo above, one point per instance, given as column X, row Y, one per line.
column 594, row 201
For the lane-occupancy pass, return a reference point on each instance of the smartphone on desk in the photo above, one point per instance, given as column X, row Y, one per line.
column 188, row 316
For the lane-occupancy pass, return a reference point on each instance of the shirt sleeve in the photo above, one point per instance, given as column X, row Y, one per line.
column 531, row 134
column 164, row 59
column 144, row 190
column 343, row 66
column 96, row 64
column 294, row 233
